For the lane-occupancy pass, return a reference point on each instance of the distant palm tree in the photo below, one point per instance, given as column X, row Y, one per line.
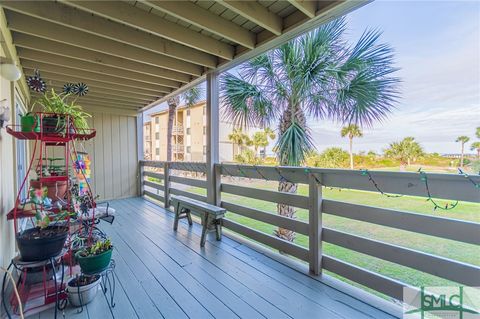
column 462, row 139
column 405, row 151
column 317, row 75
column 190, row 97
column 477, row 132
column 476, row 147
column 261, row 139
column 351, row 130
column 239, row 138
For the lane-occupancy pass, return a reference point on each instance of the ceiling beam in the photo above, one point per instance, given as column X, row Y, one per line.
column 87, row 75
column 205, row 19
column 308, row 7
column 256, row 13
column 49, row 46
column 48, row 30
column 83, row 21
column 59, row 81
column 135, row 17
column 40, row 56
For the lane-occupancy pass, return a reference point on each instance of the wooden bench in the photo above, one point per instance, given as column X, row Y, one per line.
column 211, row 215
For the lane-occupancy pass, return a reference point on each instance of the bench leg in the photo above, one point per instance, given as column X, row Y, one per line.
column 177, row 216
column 189, row 217
column 204, row 229
column 218, row 229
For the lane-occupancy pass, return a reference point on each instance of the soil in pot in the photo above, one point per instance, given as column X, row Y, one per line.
column 82, row 289
column 40, row 244
column 94, row 264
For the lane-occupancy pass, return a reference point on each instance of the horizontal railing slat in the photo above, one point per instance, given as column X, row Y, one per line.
column 448, row 228
column 266, row 195
column 271, row 173
column 188, row 181
column 154, row 175
column 176, row 191
column 188, row 166
column 276, row 220
column 442, row 267
column 385, row 285
column 155, row 196
column 154, row 185
column 272, row 241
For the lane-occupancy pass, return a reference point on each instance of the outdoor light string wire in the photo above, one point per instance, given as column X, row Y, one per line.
column 448, row 206
column 365, row 172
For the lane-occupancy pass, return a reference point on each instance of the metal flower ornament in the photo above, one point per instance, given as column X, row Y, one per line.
column 81, row 89
column 69, row 88
column 36, row 83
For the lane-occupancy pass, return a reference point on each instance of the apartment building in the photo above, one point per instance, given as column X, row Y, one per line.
column 189, row 135
column 147, row 140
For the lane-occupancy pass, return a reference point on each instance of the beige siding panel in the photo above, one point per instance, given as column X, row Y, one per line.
column 132, row 156
column 116, row 154
column 107, row 156
column 98, row 155
column 123, row 160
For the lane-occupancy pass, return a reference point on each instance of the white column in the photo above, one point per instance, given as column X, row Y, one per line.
column 315, row 225
column 140, row 152
column 213, row 105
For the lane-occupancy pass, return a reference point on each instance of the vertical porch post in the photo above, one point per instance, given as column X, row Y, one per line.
column 166, row 185
column 140, row 153
column 315, row 224
column 213, row 105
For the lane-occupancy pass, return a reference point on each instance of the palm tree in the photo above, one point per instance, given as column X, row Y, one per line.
column 405, row 151
column 190, row 97
column 477, row 132
column 316, row 75
column 351, row 130
column 463, row 140
column 261, row 139
column 239, row 138
column 476, row 147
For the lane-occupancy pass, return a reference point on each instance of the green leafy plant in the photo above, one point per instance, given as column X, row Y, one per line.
column 59, row 103
column 97, row 248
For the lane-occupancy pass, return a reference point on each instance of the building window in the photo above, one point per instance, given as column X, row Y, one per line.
column 204, row 150
column 204, row 130
column 188, row 131
column 157, row 120
column 157, row 151
column 157, row 136
column 188, row 149
column 188, row 112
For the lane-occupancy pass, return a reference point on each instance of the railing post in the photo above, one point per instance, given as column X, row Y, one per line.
column 315, row 224
column 213, row 119
column 141, row 169
column 166, row 185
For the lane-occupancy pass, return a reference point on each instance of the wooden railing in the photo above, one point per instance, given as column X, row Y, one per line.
column 444, row 186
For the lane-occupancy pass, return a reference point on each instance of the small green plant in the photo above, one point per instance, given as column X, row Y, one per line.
column 97, row 248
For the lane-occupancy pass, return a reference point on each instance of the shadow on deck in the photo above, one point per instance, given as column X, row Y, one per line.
column 161, row 273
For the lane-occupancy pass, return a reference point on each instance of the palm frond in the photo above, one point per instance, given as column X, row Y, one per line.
column 293, row 145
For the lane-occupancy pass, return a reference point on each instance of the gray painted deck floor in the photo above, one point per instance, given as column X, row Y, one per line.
column 162, row 274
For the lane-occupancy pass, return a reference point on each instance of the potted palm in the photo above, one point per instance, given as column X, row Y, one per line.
column 96, row 258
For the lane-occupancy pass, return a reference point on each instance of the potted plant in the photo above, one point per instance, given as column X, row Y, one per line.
column 47, row 238
column 58, row 107
column 29, row 122
column 96, row 258
column 82, row 289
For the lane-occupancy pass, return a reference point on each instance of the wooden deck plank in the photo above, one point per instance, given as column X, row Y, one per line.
column 309, row 287
column 289, row 301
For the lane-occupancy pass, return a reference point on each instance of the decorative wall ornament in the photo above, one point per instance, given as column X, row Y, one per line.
column 36, row 83
column 81, row 89
column 69, row 88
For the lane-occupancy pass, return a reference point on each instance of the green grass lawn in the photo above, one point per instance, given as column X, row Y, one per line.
column 446, row 248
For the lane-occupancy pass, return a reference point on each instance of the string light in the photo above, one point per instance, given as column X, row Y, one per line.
column 448, row 206
column 365, row 172
column 477, row 185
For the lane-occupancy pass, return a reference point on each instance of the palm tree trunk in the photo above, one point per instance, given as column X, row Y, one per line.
column 284, row 185
column 408, row 161
column 461, row 157
column 172, row 105
column 351, row 152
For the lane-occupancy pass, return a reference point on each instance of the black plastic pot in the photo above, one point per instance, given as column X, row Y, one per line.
column 36, row 246
column 53, row 124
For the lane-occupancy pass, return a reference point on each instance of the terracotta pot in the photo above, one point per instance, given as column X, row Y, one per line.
column 54, row 188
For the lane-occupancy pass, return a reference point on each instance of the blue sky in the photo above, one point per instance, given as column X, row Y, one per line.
column 437, row 48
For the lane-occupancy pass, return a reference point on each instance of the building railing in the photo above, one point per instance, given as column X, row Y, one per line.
column 444, row 186
column 177, row 129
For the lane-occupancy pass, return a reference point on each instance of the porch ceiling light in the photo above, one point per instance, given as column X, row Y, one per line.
column 11, row 72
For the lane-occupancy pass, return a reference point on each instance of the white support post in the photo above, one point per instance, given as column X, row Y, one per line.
column 140, row 152
column 213, row 105
column 166, row 185
column 315, row 225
